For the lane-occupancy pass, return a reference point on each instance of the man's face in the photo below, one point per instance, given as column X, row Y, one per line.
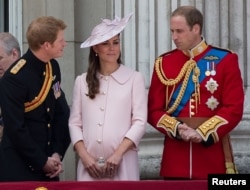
column 55, row 50
column 183, row 35
column 6, row 60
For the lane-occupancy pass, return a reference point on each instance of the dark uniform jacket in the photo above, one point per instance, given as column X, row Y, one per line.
column 30, row 137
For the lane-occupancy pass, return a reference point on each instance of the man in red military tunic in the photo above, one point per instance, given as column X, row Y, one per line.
column 195, row 99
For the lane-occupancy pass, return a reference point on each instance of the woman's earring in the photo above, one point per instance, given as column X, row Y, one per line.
column 96, row 54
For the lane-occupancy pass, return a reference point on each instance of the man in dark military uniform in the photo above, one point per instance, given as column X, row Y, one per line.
column 34, row 108
column 9, row 52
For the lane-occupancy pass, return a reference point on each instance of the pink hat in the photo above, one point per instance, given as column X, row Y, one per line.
column 106, row 30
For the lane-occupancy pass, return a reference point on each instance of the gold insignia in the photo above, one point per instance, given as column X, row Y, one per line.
column 18, row 66
column 211, row 58
column 169, row 124
column 212, row 85
column 210, row 126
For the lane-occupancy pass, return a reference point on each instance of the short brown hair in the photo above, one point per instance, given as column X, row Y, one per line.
column 43, row 29
column 192, row 15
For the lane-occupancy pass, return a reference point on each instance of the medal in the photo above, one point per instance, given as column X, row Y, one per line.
column 213, row 72
column 212, row 103
column 57, row 89
column 207, row 73
column 211, row 85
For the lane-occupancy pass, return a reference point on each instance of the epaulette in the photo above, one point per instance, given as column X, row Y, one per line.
column 167, row 53
column 223, row 49
column 18, row 66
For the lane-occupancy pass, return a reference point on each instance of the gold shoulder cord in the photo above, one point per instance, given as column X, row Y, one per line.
column 184, row 73
column 44, row 90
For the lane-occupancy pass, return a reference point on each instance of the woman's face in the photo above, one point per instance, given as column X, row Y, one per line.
column 108, row 51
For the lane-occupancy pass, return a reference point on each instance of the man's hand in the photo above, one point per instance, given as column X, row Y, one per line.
column 188, row 134
column 53, row 167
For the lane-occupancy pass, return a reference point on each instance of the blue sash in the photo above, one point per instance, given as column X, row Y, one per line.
column 215, row 55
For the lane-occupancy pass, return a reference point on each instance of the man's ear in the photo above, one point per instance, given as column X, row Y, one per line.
column 46, row 45
column 15, row 53
column 196, row 28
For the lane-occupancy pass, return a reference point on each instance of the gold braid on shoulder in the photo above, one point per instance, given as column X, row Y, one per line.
column 184, row 74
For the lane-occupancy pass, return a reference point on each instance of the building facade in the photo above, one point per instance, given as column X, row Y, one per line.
column 227, row 24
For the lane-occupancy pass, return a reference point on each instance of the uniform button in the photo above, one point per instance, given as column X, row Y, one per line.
column 100, row 124
column 102, row 108
column 48, row 109
column 32, row 169
column 106, row 78
column 99, row 141
column 192, row 113
column 49, row 125
column 103, row 93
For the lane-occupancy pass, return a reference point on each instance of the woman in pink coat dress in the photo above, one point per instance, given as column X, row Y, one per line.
column 109, row 109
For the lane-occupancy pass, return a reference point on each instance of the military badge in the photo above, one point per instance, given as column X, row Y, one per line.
column 213, row 71
column 18, row 66
column 57, row 89
column 212, row 103
column 211, row 85
column 207, row 73
column 210, row 69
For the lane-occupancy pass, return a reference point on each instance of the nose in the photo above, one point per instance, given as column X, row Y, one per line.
column 111, row 46
column 174, row 36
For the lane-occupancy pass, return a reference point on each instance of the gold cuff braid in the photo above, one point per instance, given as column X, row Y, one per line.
column 210, row 126
column 169, row 124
